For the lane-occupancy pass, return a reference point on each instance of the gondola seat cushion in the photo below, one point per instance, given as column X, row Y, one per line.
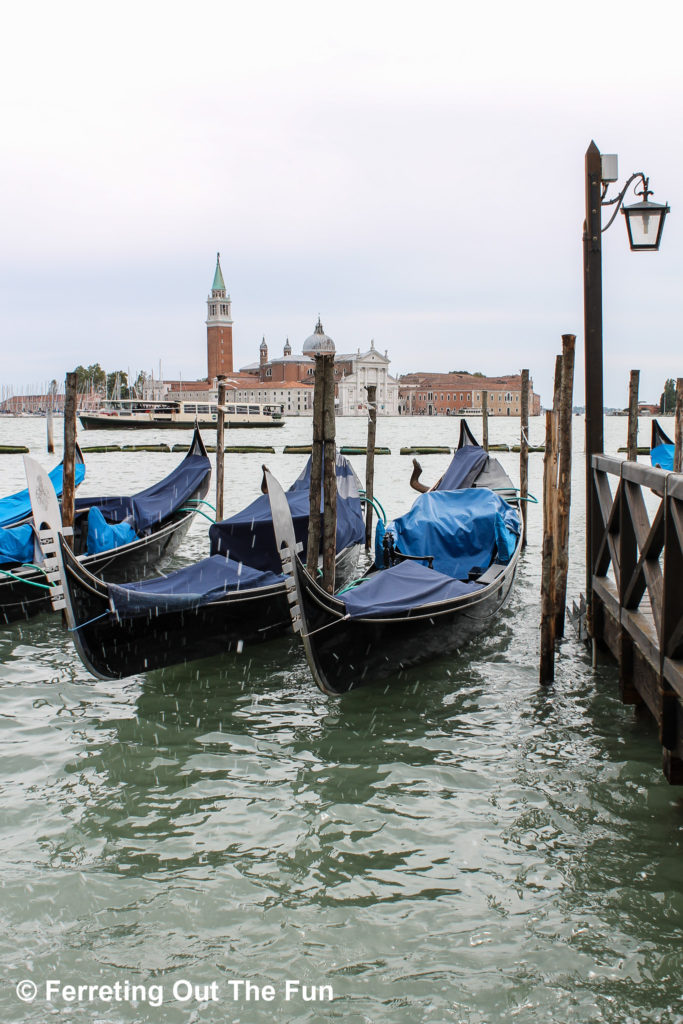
column 104, row 536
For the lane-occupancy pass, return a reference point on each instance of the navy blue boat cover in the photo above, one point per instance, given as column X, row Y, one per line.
column 189, row 588
column 406, row 586
column 16, row 507
column 463, row 530
column 151, row 506
column 465, row 467
column 248, row 536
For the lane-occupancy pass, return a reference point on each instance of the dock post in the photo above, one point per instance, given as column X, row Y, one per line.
column 485, row 420
column 524, row 452
column 547, row 666
column 370, row 461
column 564, row 480
column 69, row 460
column 329, row 477
column 678, row 428
column 632, row 442
column 313, row 547
column 220, row 447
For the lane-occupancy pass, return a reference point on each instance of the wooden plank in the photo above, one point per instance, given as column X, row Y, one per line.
column 607, row 464
column 634, row 587
column 644, row 476
column 646, row 682
column 632, row 442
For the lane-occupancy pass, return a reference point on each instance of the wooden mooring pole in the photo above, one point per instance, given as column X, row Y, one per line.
column 564, row 480
column 632, row 442
column 524, row 451
column 313, row 547
column 556, row 505
column 69, row 460
column 678, row 428
column 370, row 461
column 220, row 447
column 329, row 477
column 323, row 451
column 485, row 420
column 50, row 430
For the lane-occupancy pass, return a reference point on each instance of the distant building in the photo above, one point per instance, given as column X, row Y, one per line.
column 451, row 394
column 218, row 327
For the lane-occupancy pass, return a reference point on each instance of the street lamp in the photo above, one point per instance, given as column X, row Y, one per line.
column 644, row 223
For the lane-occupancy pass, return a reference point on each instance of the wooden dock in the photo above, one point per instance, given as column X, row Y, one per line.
column 637, row 591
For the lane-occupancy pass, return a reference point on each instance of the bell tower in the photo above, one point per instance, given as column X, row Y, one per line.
column 218, row 327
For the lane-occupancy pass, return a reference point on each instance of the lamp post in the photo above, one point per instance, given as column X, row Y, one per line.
column 644, row 222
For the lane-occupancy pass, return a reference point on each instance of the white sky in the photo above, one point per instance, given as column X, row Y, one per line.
column 413, row 173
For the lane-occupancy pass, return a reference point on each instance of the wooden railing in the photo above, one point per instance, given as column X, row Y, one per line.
column 637, row 588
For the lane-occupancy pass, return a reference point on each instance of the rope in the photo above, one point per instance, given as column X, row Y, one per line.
column 375, row 504
column 351, row 584
column 30, row 583
column 205, row 514
column 200, row 501
column 74, row 629
column 326, row 626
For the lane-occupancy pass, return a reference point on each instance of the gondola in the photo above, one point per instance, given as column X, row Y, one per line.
column 16, row 508
column 442, row 574
column 234, row 598
column 661, row 448
column 115, row 537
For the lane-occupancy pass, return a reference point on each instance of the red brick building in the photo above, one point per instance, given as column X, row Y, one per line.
column 449, row 394
column 218, row 327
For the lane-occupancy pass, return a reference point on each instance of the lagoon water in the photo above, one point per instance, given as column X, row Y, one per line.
column 459, row 846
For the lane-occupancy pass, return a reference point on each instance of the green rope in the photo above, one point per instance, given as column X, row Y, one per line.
column 13, row 575
column 517, row 491
column 200, row 501
column 351, row 585
column 185, row 509
column 375, row 504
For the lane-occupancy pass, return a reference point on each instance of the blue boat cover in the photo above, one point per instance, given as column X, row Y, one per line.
column 463, row 530
column 663, row 456
column 16, row 507
column 189, row 588
column 151, row 506
column 406, row 586
column 103, row 536
column 465, row 467
column 16, row 545
column 248, row 536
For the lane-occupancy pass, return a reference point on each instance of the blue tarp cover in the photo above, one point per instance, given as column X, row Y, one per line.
column 463, row 530
column 189, row 588
column 400, row 588
column 465, row 467
column 103, row 536
column 16, row 507
column 16, row 545
column 248, row 536
column 663, row 456
column 151, row 506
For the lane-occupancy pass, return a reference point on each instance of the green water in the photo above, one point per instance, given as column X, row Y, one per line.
column 457, row 845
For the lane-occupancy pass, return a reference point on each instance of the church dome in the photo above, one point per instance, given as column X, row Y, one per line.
column 318, row 343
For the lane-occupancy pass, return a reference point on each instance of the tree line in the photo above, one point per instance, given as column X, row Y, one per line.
column 110, row 385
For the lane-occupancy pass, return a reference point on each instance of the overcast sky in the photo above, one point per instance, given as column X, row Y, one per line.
column 412, row 173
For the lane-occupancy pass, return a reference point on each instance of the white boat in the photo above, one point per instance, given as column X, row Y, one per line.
column 136, row 414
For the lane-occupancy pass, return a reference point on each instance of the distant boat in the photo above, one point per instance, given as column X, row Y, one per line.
column 661, row 448
column 136, row 414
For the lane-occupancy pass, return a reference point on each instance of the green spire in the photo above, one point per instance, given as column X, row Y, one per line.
column 218, row 282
